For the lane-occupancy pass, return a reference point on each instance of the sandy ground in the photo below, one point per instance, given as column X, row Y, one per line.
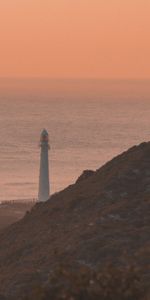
column 12, row 212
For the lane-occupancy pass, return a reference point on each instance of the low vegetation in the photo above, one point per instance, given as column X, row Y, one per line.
column 86, row 284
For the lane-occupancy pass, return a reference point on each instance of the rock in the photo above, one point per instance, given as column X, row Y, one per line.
column 86, row 174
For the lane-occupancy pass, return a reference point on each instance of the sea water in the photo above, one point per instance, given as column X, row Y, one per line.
column 89, row 122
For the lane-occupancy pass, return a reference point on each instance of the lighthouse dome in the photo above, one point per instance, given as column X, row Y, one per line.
column 44, row 132
column 44, row 135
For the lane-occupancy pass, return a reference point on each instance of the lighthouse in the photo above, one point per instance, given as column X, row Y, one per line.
column 44, row 188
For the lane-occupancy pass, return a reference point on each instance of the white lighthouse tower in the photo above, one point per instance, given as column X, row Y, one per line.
column 44, row 188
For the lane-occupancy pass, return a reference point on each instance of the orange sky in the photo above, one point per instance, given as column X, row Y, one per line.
column 75, row 38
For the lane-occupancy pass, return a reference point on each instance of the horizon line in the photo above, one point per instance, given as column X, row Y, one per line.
column 73, row 78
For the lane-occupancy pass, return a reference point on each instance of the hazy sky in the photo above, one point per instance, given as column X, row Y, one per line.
column 75, row 38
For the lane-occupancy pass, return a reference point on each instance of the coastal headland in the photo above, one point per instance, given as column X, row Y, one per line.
column 101, row 219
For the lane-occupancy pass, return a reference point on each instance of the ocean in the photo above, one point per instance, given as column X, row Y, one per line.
column 89, row 122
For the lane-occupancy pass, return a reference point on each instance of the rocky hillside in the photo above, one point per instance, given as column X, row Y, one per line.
column 103, row 217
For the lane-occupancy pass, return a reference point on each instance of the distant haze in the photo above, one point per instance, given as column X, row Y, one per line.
column 75, row 39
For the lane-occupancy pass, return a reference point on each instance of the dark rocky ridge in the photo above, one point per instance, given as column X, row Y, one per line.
column 102, row 217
